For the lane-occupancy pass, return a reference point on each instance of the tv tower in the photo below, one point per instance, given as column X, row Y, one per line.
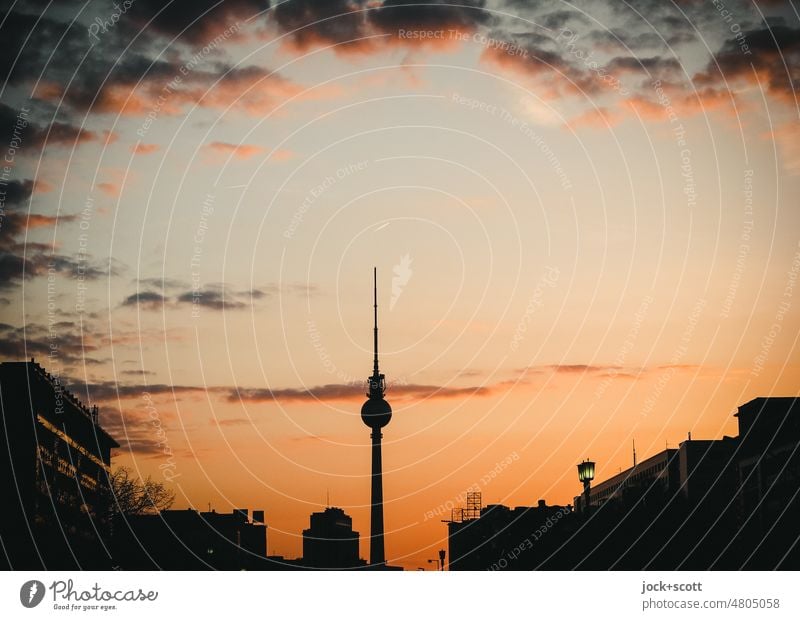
column 376, row 413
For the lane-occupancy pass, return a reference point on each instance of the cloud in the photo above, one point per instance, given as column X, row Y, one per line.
column 310, row 23
column 350, row 392
column 16, row 191
column 20, row 260
column 361, row 26
column 61, row 343
column 214, row 296
column 464, row 16
column 253, row 90
column 282, row 155
column 37, row 220
column 653, row 67
column 119, row 73
column 214, row 299
column 601, row 370
column 108, row 391
column 41, row 186
column 555, row 77
column 26, row 40
column 132, row 430
column 145, row 298
column 144, row 149
column 138, row 373
column 109, row 189
column 192, row 21
column 36, row 259
column 774, row 62
column 239, row 151
column 232, row 421
column 31, row 135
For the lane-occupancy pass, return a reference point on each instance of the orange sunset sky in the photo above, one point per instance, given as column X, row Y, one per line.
column 583, row 215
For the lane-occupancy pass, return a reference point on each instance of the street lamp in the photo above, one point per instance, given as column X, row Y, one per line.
column 437, row 563
column 586, row 475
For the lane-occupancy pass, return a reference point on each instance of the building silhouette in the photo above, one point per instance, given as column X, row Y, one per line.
column 697, row 469
column 376, row 413
column 55, row 460
column 191, row 540
column 330, row 542
column 490, row 537
column 723, row 504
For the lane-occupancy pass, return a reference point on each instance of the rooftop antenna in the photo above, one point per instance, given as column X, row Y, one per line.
column 634, row 453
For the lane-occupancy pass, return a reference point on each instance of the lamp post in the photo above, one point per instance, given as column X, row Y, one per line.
column 437, row 563
column 586, row 475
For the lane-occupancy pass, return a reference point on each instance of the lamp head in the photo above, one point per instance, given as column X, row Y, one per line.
column 586, row 471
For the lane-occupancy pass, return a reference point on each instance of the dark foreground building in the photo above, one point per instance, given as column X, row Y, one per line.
column 330, row 542
column 191, row 540
column 54, row 464
column 496, row 535
column 726, row 504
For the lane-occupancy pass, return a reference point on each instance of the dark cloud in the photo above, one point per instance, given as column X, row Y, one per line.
column 655, row 67
column 559, row 19
column 20, row 259
column 130, row 430
column 26, row 41
column 138, row 373
column 19, row 262
column 16, row 191
column 556, row 74
column 356, row 25
column 465, row 15
column 214, row 296
column 61, row 343
column 214, row 299
column 108, row 391
column 120, row 70
column 622, row 41
column 136, row 431
column 311, row 23
column 774, row 58
column 17, row 125
column 145, row 298
column 195, row 21
column 25, row 261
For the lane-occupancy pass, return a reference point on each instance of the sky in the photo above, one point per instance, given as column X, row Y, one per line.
column 583, row 216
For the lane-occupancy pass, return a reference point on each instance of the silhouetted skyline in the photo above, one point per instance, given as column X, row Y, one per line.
column 724, row 504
